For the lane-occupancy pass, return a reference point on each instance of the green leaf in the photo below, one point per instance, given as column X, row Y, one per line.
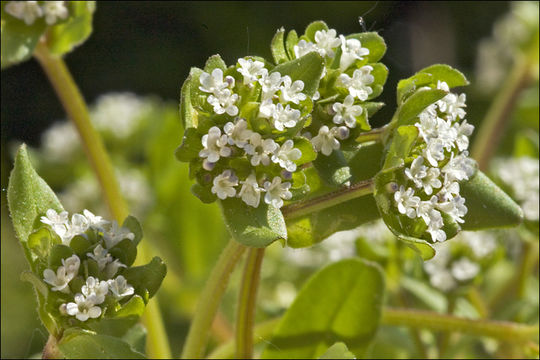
column 402, row 143
column 97, row 346
column 18, row 39
column 121, row 322
column 58, row 253
column 372, row 41
column 41, row 242
column 305, row 146
column 488, row 206
column 203, row 193
column 133, row 225
column 278, row 47
column 338, row 351
column 191, row 146
column 29, row 197
column 447, row 74
column 147, row 277
column 80, row 245
column 380, row 73
column 257, row 227
column 290, row 42
column 312, row 28
column 136, row 338
column 416, row 103
column 33, row 279
column 341, row 302
column 65, row 36
column 307, row 68
column 214, row 62
column 187, row 113
column 125, row 251
column 333, row 169
column 408, row 86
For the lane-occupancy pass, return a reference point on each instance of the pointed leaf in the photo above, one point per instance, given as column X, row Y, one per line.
column 29, row 197
column 256, row 227
column 341, row 302
column 307, row 68
column 187, row 113
column 278, row 47
column 290, row 42
column 488, row 206
column 416, row 103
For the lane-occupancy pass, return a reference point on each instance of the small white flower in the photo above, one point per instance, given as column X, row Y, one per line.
column 260, row 150
column 101, row 256
column 54, row 10
column 358, row 84
column 215, row 145
column 214, row 83
column 113, row 234
column 270, row 85
column 286, row 155
column 251, row 191
column 292, row 91
column 422, row 176
column 251, row 70
column 95, row 290
column 28, row 11
column 83, row 308
column 64, row 274
column 95, row 222
column 267, row 109
column 347, row 112
column 120, row 287
column 351, row 50
column 112, row 268
column 326, row 41
column 463, row 131
column 304, row 47
column 325, row 141
column 79, row 224
column 433, row 218
column 276, row 192
column 285, row 117
column 57, row 221
column 459, row 167
column 455, row 208
column 407, row 203
column 223, row 102
column 464, row 269
column 434, row 151
column 449, row 189
column 428, row 124
column 451, row 104
column 238, row 133
column 224, row 185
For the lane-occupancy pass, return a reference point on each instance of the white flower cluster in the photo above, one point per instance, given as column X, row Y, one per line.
column 94, row 291
column 446, row 271
column 435, row 174
column 522, row 175
column 346, row 113
column 29, row 11
column 278, row 95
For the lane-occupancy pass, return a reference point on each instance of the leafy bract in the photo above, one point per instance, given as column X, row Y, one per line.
column 307, row 68
column 340, row 303
column 83, row 345
column 257, row 227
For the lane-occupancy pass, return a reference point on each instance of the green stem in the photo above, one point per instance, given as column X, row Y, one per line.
column 245, row 316
column 444, row 338
column 209, row 300
column 418, row 319
column 305, row 207
column 76, row 109
column 497, row 118
column 373, row 135
column 51, row 351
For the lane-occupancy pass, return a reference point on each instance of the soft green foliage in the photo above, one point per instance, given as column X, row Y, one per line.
column 341, row 302
column 87, row 346
column 19, row 39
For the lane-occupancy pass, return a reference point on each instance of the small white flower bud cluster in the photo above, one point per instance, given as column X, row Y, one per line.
column 434, row 175
column 93, row 292
column 346, row 113
column 279, row 99
column 29, row 11
column 458, row 261
column 522, row 176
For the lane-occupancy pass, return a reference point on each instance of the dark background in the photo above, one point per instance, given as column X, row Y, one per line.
column 148, row 47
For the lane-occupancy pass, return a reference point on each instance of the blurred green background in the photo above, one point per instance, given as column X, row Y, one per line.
column 147, row 48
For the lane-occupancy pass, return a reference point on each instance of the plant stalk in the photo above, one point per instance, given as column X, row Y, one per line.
column 76, row 109
column 210, row 299
column 245, row 316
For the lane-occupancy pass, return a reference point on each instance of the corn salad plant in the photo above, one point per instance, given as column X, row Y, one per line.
column 286, row 149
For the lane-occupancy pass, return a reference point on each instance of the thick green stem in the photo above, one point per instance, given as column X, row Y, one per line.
column 301, row 208
column 51, row 351
column 497, row 118
column 373, row 135
column 210, row 299
column 76, row 109
column 418, row 319
column 245, row 316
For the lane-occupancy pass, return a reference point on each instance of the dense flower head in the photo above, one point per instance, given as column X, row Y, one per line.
column 440, row 162
column 30, row 11
column 87, row 279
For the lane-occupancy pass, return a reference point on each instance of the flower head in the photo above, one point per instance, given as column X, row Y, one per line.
column 120, row 287
column 358, row 84
column 215, row 145
column 28, row 11
column 224, row 185
column 326, row 41
column 351, row 50
column 347, row 112
column 252, row 70
column 83, row 308
column 251, row 191
column 276, row 192
column 286, row 155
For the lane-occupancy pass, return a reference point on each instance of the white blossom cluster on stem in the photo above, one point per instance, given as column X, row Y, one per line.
column 432, row 179
column 280, row 103
column 85, row 301
column 30, row 11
